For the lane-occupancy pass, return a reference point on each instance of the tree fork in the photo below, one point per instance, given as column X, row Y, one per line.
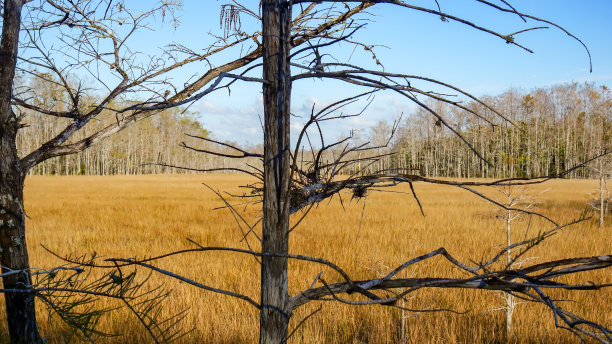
column 275, row 313
column 20, row 307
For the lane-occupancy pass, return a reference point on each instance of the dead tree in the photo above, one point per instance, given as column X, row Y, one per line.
column 600, row 204
column 19, row 308
column 278, row 194
column 290, row 185
column 513, row 197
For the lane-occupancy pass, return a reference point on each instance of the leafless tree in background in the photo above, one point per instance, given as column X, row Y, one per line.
column 514, row 197
column 601, row 202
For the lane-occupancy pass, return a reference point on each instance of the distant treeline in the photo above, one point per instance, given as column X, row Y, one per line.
column 547, row 131
column 149, row 146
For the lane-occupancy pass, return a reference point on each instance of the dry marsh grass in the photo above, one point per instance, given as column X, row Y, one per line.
column 137, row 216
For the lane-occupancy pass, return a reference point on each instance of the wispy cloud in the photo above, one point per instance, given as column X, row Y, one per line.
column 587, row 78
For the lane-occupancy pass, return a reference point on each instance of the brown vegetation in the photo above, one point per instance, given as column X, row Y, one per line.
column 136, row 216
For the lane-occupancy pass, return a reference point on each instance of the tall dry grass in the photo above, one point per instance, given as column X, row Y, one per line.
column 137, row 216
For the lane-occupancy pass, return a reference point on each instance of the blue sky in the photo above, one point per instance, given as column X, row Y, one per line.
column 418, row 44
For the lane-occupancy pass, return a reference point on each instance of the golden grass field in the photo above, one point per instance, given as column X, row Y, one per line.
column 137, row 216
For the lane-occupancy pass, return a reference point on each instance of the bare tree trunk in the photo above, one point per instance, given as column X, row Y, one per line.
column 510, row 301
column 20, row 311
column 602, row 196
column 274, row 313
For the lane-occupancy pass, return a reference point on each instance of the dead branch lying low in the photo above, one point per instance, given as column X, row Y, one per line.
column 528, row 283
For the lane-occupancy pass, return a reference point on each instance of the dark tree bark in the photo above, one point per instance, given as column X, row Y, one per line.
column 274, row 315
column 21, row 313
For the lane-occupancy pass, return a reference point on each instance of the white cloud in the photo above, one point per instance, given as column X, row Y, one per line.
column 295, row 125
column 587, row 78
column 251, row 131
column 239, row 122
column 205, row 106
